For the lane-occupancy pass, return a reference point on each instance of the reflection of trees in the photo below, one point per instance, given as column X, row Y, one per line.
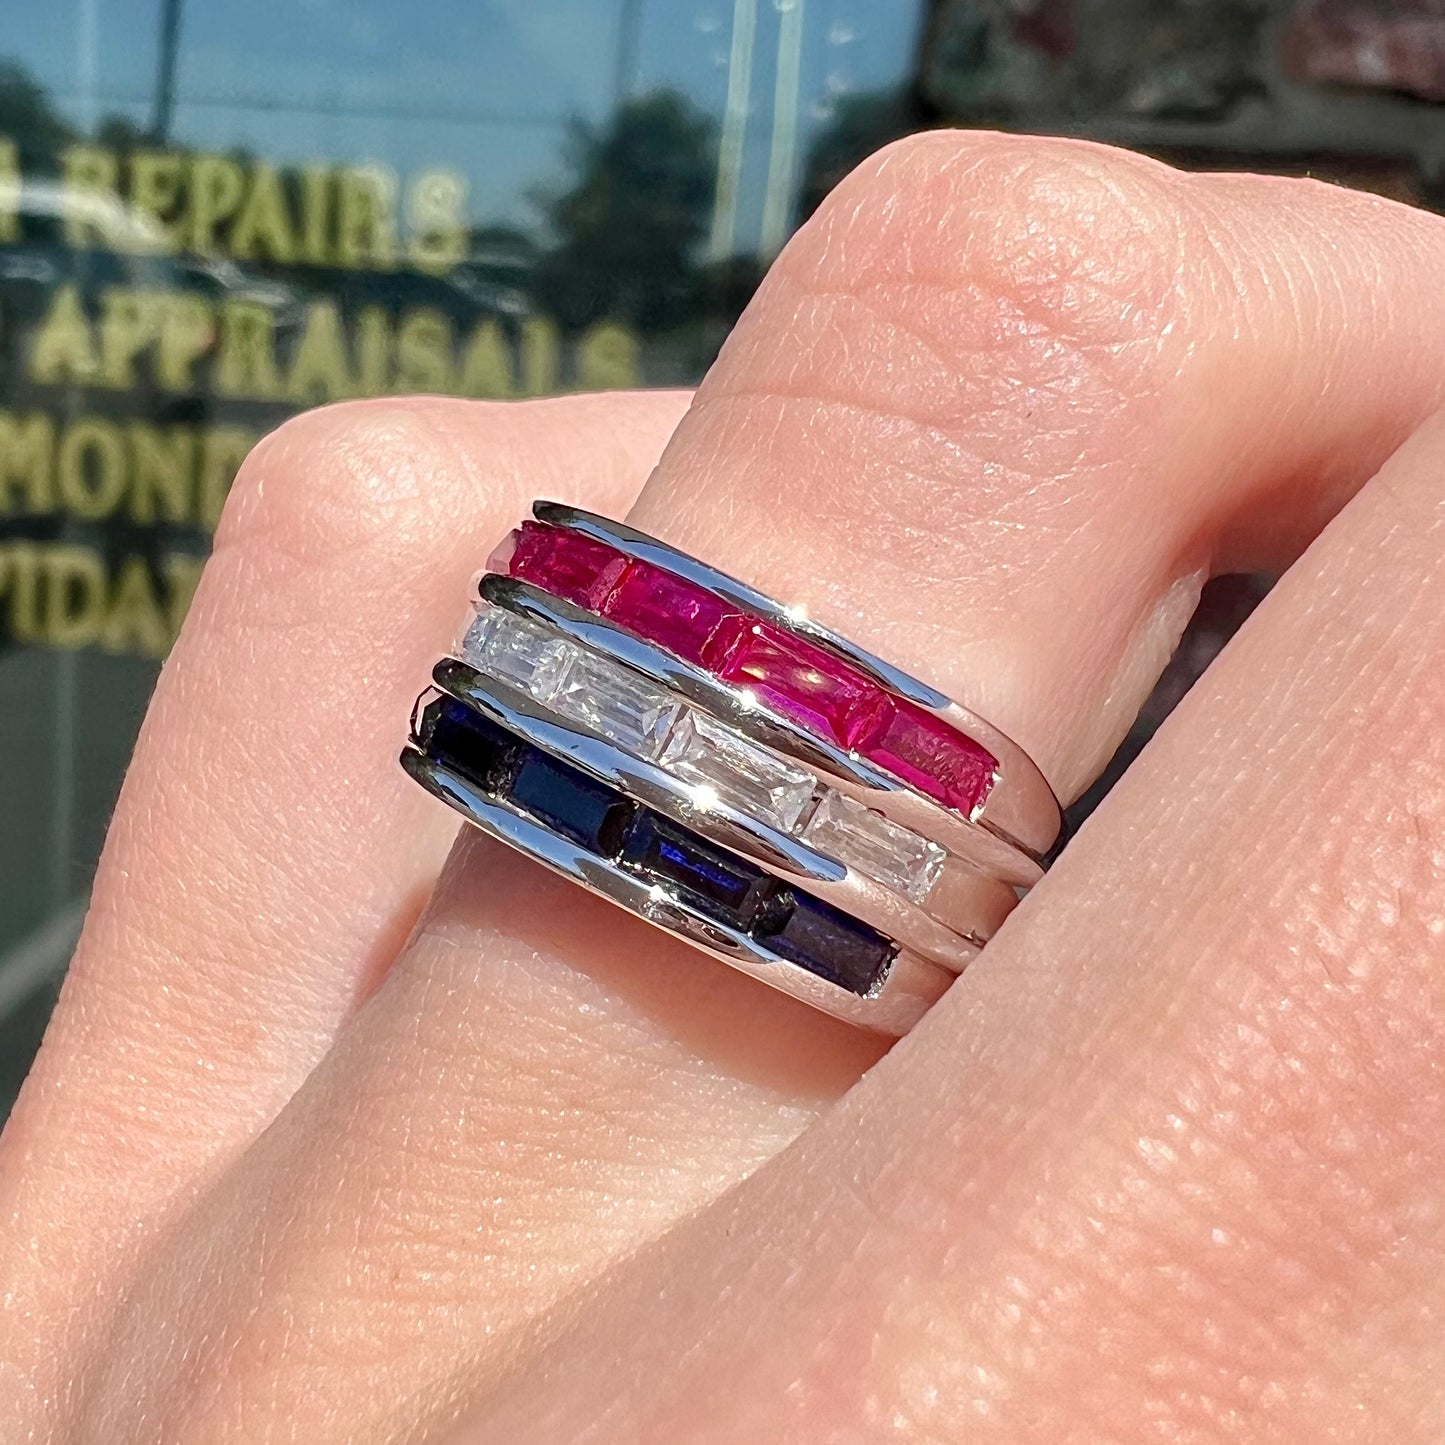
column 628, row 229
column 121, row 134
column 39, row 131
column 27, row 117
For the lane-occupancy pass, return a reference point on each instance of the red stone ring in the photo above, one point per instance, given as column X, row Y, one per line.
column 671, row 739
column 891, row 741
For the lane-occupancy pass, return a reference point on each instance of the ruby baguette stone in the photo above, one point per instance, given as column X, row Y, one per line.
column 567, row 565
column 803, row 683
column 925, row 752
column 672, row 612
column 798, row 679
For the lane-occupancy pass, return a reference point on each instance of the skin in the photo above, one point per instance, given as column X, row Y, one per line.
column 310, row 1156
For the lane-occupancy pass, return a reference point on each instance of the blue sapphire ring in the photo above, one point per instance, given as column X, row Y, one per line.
column 768, row 793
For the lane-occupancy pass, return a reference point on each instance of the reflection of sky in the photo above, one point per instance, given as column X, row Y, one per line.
column 483, row 86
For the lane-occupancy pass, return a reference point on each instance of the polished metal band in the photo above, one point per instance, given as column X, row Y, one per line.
column 898, row 995
column 626, row 745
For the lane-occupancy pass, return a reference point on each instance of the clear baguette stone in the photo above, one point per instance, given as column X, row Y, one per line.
column 885, row 851
column 472, row 644
column 520, row 652
column 743, row 777
column 624, row 708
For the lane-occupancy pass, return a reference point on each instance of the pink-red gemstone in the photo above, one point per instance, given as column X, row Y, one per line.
column 566, row 564
column 794, row 677
column 668, row 610
column 501, row 556
column 797, row 679
column 925, row 752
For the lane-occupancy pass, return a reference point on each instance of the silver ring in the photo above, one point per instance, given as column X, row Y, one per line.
column 721, row 766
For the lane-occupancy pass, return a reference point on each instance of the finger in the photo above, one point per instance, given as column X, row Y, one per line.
column 1056, row 380
column 1168, row 1164
column 266, row 861
column 1005, row 402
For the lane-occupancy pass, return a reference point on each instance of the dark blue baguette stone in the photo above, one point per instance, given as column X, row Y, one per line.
column 553, row 792
column 468, row 743
column 828, row 942
column 591, row 814
column 792, row 923
column 709, row 878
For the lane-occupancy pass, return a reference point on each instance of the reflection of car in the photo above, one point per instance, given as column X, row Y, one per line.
column 486, row 292
column 396, row 292
column 126, row 250
column 497, row 271
column 493, row 279
column 42, row 259
column 222, row 279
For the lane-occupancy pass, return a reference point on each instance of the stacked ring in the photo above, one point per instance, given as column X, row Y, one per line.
column 679, row 743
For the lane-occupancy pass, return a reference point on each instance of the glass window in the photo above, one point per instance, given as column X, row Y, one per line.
column 214, row 216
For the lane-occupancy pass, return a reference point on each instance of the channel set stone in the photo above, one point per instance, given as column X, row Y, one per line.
column 828, row 942
column 878, row 848
column 743, row 776
column 925, row 752
column 705, row 876
column 668, row 610
column 796, row 678
column 567, row 564
column 473, row 646
column 523, row 653
column 617, row 703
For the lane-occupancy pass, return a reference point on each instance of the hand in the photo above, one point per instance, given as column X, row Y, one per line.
column 310, row 1156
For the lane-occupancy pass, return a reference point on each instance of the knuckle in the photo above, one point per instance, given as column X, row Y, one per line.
column 1012, row 301
column 1079, row 242
column 969, row 303
column 343, row 478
